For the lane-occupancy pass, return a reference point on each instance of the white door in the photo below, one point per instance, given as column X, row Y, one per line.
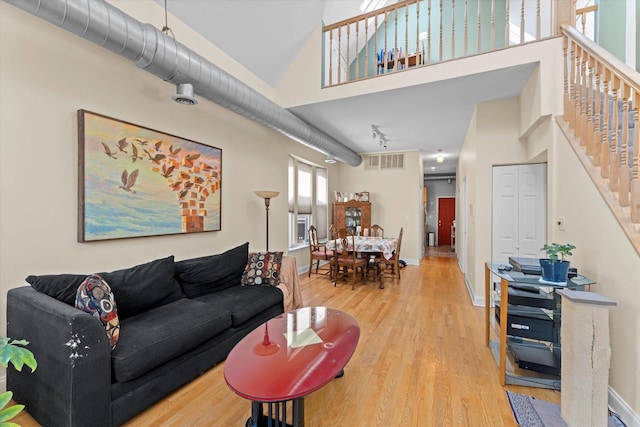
column 519, row 211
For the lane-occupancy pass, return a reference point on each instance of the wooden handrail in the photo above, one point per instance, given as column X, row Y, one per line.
column 618, row 67
column 368, row 15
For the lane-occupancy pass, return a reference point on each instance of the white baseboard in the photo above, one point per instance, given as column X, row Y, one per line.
column 624, row 411
column 476, row 300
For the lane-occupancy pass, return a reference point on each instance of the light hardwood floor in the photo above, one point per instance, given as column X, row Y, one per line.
column 421, row 361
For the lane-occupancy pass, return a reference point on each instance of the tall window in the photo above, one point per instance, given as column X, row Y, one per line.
column 308, row 197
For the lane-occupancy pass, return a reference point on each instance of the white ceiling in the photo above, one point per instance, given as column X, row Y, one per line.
column 266, row 35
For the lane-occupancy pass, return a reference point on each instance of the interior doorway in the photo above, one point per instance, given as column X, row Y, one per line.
column 446, row 218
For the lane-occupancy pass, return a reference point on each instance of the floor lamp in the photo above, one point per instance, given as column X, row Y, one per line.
column 267, row 196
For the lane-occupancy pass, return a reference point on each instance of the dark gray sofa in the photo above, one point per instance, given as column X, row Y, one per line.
column 177, row 320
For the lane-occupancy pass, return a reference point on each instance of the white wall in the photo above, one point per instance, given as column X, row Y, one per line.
column 523, row 130
column 46, row 75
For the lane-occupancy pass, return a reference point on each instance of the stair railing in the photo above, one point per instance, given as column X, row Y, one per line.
column 601, row 107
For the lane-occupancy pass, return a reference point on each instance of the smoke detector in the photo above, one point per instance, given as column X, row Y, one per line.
column 184, row 94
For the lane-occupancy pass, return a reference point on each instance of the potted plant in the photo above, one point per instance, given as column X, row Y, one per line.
column 13, row 351
column 555, row 268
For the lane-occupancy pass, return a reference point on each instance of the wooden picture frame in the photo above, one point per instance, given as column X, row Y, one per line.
column 364, row 196
column 135, row 181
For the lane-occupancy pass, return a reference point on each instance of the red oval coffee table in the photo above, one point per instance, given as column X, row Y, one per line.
column 287, row 358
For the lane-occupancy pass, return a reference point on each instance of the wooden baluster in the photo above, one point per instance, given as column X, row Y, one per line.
column 538, row 20
column 623, row 186
column 597, row 134
column 406, row 37
column 440, row 58
column 568, row 80
column 565, row 82
column 507, row 29
column 479, row 27
column 419, row 53
column 428, row 61
column 605, row 151
column 493, row 25
column 339, row 55
column 466, row 27
column 522, row 22
column 570, row 113
column 395, row 43
column 386, row 48
column 453, row 29
column 635, row 179
column 347, row 66
column 356, row 74
column 582, row 122
column 366, row 47
column 375, row 43
column 614, row 160
column 589, row 88
column 576, row 91
column 330, row 57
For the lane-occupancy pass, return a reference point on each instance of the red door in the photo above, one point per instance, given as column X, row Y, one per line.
column 446, row 216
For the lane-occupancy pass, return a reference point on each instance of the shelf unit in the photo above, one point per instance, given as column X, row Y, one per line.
column 529, row 338
column 352, row 214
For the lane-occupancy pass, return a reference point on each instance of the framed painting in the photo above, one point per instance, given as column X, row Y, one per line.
column 134, row 181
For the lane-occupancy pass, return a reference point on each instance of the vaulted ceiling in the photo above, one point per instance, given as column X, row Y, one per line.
column 265, row 36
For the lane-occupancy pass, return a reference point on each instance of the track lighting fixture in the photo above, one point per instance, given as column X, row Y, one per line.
column 377, row 134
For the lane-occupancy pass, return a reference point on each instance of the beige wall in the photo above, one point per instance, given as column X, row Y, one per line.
column 498, row 134
column 47, row 74
column 396, row 197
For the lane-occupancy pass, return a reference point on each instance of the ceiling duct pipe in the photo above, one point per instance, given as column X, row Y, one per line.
column 161, row 55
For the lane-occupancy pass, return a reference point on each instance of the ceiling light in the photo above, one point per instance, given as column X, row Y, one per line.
column 440, row 158
column 184, row 94
column 330, row 159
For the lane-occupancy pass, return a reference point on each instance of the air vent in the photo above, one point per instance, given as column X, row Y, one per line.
column 384, row 161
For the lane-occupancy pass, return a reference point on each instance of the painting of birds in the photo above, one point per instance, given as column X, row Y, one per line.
column 158, row 145
column 167, row 171
column 108, row 151
column 174, row 153
column 156, row 158
column 128, row 180
column 122, row 144
column 134, row 153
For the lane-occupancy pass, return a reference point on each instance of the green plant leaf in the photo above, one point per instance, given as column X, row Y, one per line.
column 14, row 353
column 10, row 412
column 5, row 398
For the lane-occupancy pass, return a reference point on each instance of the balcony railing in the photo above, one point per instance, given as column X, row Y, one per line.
column 415, row 33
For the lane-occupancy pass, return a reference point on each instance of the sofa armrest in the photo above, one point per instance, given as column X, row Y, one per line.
column 72, row 384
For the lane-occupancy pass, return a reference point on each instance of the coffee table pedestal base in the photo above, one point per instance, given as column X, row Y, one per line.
column 276, row 414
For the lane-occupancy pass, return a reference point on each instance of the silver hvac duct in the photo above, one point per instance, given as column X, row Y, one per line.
column 159, row 54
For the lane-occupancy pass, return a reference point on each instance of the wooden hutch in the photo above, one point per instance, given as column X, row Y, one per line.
column 352, row 214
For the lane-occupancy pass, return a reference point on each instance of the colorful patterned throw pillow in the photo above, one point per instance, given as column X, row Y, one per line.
column 263, row 268
column 94, row 296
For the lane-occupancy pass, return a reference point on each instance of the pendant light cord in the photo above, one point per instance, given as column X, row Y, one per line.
column 166, row 28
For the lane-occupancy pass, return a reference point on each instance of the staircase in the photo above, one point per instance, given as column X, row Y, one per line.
column 601, row 115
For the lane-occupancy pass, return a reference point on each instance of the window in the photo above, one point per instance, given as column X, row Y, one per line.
column 308, row 201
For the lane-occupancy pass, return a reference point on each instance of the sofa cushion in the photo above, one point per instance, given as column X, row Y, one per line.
column 200, row 276
column 161, row 334
column 94, row 296
column 244, row 302
column 62, row 287
column 263, row 268
column 144, row 286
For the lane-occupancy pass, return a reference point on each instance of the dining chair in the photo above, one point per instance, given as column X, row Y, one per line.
column 346, row 258
column 391, row 267
column 318, row 252
column 376, row 231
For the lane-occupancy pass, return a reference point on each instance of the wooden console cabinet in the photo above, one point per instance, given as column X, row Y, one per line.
column 351, row 214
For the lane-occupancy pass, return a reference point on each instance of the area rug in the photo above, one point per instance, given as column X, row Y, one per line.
column 531, row 412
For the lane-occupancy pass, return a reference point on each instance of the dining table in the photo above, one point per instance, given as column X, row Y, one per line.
column 369, row 245
column 366, row 244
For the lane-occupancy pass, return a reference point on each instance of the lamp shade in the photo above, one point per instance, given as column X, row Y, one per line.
column 267, row 194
